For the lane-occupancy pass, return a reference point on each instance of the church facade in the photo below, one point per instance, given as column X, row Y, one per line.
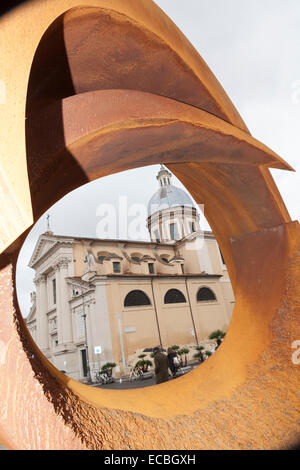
column 99, row 301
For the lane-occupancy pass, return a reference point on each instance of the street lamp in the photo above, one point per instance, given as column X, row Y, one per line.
column 119, row 317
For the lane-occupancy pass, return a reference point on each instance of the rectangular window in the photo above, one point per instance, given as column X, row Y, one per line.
column 117, row 267
column 84, row 362
column 192, row 227
column 54, row 290
column 156, row 236
column 174, row 232
column 151, row 268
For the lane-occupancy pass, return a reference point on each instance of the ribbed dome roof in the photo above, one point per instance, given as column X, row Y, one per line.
column 168, row 196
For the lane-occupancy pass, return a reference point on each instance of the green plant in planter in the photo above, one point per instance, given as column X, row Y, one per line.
column 144, row 364
column 199, row 356
column 208, row 354
column 108, row 368
column 181, row 352
column 218, row 334
column 175, row 347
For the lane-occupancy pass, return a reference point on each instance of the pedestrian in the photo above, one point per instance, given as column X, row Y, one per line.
column 219, row 342
column 173, row 361
column 161, row 366
column 201, row 357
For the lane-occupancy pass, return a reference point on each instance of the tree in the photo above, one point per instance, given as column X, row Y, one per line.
column 144, row 364
column 108, row 368
column 142, row 356
column 208, row 354
column 218, row 334
column 181, row 352
column 199, row 356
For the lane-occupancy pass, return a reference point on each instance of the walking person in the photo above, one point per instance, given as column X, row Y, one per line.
column 219, row 342
column 161, row 366
column 173, row 361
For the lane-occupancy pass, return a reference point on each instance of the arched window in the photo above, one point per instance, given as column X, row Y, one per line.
column 165, row 258
column 136, row 257
column 136, row 298
column 204, row 294
column 174, row 296
column 102, row 255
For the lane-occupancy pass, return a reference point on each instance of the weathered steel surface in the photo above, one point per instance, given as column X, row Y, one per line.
column 108, row 87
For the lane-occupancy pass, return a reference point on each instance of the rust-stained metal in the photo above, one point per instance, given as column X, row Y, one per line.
column 113, row 85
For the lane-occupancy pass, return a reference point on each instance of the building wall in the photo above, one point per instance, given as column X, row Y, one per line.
column 174, row 319
column 141, row 327
column 208, row 315
column 141, row 319
column 120, row 330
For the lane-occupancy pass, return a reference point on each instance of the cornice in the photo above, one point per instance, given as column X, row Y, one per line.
column 157, row 276
column 35, row 260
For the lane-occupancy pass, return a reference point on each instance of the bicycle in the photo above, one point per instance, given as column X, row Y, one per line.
column 136, row 373
column 177, row 372
column 102, row 378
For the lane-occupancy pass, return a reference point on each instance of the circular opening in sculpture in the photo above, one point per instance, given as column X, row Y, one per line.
column 115, row 274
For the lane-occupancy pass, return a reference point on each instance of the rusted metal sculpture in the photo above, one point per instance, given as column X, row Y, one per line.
column 113, row 85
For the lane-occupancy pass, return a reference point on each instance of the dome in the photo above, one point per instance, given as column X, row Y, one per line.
column 168, row 196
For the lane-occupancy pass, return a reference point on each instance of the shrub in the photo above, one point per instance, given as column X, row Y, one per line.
column 199, row 356
column 217, row 334
column 142, row 356
column 108, row 367
column 144, row 364
column 181, row 352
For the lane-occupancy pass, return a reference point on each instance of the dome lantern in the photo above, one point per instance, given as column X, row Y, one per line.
column 164, row 176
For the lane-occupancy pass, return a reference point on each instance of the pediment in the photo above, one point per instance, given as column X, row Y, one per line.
column 44, row 244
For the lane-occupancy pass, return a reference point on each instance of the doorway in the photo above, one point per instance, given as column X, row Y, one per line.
column 84, row 362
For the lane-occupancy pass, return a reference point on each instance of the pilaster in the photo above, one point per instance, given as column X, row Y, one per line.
column 64, row 317
column 42, row 333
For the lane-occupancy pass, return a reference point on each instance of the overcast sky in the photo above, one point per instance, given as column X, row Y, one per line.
column 253, row 48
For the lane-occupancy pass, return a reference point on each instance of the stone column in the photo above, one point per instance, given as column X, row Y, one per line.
column 102, row 328
column 42, row 329
column 59, row 313
column 64, row 316
column 91, row 326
